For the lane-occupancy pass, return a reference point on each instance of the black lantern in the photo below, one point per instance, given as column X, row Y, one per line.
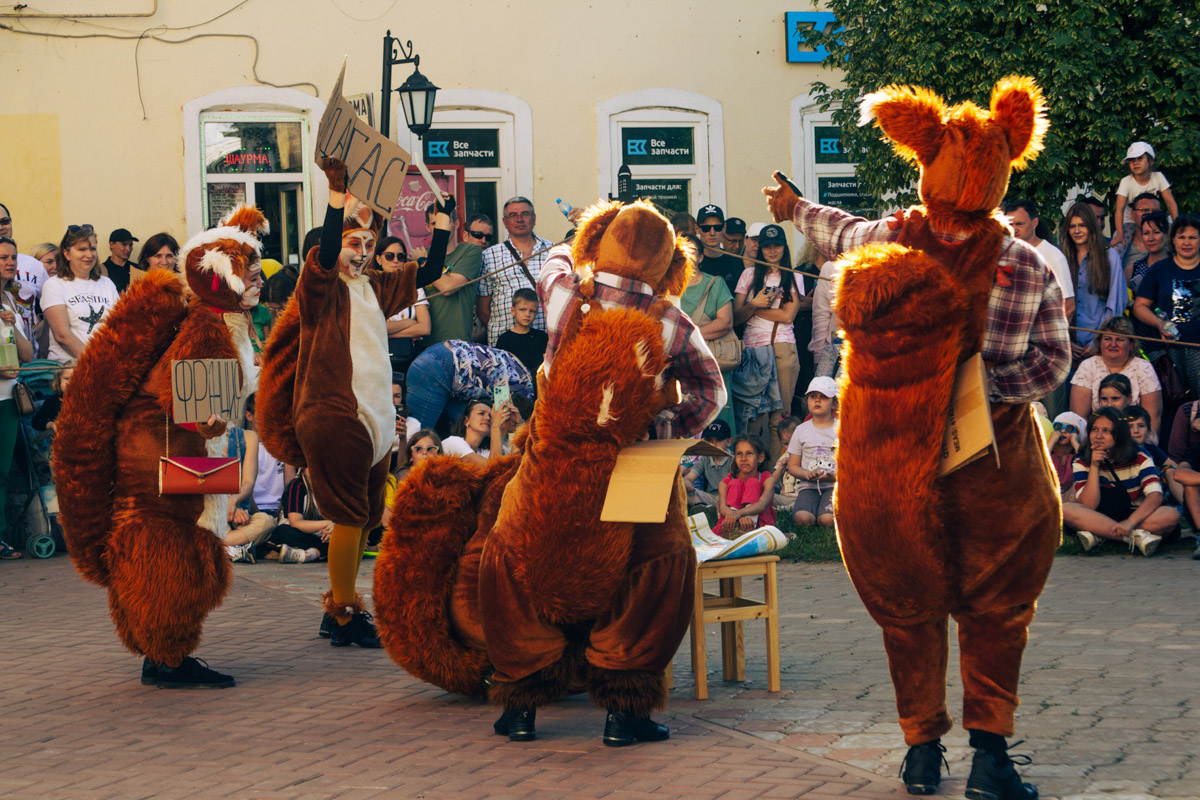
column 418, row 96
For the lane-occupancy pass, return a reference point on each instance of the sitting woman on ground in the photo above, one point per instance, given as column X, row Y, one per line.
column 254, row 511
column 1118, row 491
column 1118, row 355
column 303, row 535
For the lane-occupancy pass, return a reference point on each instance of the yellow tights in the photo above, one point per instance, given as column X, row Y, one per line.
column 346, row 545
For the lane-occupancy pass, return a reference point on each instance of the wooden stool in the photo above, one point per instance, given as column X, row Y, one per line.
column 729, row 608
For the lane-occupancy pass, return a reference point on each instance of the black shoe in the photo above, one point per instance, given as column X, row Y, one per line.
column 517, row 724
column 621, row 729
column 149, row 672
column 921, row 769
column 192, row 673
column 993, row 777
column 359, row 630
column 326, row 629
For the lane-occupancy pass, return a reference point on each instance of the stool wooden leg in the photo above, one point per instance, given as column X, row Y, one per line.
column 733, row 642
column 699, row 663
column 772, row 596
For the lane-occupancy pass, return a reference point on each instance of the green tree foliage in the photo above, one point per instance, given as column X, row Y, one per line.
column 1113, row 71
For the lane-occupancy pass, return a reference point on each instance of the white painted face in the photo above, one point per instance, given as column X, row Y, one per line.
column 254, row 281
column 357, row 247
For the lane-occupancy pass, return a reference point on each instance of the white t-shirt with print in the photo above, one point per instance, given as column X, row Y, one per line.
column 817, row 448
column 758, row 330
column 87, row 303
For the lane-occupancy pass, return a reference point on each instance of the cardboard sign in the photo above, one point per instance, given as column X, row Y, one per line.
column 639, row 489
column 202, row 387
column 969, row 431
column 375, row 165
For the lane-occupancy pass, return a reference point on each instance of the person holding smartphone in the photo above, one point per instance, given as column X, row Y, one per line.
column 766, row 301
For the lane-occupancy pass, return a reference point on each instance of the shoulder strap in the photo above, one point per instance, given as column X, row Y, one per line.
column 521, row 261
column 704, row 295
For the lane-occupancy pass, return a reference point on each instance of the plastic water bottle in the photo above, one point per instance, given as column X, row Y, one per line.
column 1169, row 327
column 564, row 207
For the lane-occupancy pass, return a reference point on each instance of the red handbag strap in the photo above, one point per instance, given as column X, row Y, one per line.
column 167, row 419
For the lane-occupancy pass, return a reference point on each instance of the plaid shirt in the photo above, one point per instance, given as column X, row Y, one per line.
column 501, row 287
column 1026, row 341
column 700, row 381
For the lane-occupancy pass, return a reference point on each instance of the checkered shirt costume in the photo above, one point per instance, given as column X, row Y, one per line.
column 500, row 287
column 1026, row 342
column 700, row 382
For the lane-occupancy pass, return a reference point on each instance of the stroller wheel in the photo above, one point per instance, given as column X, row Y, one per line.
column 40, row 545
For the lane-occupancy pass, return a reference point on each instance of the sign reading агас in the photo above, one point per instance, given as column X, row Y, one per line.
column 202, row 387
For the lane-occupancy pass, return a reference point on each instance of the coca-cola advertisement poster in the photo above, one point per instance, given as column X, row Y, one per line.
column 408, row 215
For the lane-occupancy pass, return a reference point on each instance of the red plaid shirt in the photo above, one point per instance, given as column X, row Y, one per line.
column 1026, row 340
column 700, row 381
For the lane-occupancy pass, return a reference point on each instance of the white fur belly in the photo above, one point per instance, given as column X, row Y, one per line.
column 371, row 368
column 215, row 516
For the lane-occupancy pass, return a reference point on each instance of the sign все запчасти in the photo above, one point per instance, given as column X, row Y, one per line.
column 827, row 145
column 658, row 145
column 842, row 192
column 672, row 194
column 463, row 147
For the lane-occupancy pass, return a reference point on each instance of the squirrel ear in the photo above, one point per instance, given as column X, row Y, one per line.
column 683, row 261
column 910, row 116
column 586, row 247
column 1019, row 108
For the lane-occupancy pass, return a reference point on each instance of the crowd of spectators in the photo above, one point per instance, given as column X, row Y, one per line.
column 466, row 354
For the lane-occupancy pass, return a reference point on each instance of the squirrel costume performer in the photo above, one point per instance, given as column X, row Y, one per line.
column 325, row 396
column 160, row 556
column 919, row 295
column 502, row 580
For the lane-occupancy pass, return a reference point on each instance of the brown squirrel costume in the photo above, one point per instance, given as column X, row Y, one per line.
column 914, row 303
column 509, row 568
column 159, row 556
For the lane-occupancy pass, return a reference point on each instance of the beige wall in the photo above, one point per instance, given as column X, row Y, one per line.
column 78, row 148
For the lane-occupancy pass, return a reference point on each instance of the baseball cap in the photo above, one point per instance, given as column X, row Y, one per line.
column 718, row 430
column 735, row 225
column 122, row 235
column 771, row 234
column 755, row 229
column 1139, row 149
column 710, row 210
column 823, row 385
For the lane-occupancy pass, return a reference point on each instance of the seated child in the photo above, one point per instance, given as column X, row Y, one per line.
column 812, row 456
column 1063, row 444
column 708, row 470
column 1118, row 491
column 525, row 342
column 302, row 535
column 788, row 485
column 746, row 492
column 1181, row 479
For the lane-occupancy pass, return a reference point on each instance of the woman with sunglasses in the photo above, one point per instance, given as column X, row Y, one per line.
column 77, row 298
column 1168, row 298
column 407, row 327
column 1118, row 355
column 1118, row 490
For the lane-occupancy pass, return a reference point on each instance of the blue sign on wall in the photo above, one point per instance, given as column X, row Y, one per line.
column 796, row 21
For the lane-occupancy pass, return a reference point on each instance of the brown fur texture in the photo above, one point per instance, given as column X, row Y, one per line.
column 637, row 241
column 163, row 572
column 976, row 545
column 341, row 611
column 632, row 691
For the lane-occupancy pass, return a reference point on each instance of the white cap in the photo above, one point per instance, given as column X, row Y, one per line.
column 823, row 385
column 1139, row 149
column 755, row 228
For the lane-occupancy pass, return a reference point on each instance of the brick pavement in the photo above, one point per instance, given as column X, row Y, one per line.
column 1109, row 688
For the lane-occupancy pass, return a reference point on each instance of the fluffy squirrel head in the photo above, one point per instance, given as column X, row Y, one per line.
column 216, row 261
column 634, row 241
column 965, row 153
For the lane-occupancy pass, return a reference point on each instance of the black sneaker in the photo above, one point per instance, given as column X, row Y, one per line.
column 921, row 769
column 326, row 629
column 360, row 630
column 149, row 672
column 621, row 729
column 192, row 673
column 518, row 724
column 994, row 777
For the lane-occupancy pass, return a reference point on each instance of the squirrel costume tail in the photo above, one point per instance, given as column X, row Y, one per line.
column 276, row 386
column 119, row 356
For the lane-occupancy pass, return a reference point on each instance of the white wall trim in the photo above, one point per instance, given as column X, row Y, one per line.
column 244, row 98
column 485, row 100
column 674, row 100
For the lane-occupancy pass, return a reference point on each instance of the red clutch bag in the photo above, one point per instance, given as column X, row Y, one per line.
column 198, row 474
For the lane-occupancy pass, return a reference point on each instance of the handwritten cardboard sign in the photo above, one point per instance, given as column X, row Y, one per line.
column 639, row 489
column 969, row 431
column 202, row 387
column 375, row 165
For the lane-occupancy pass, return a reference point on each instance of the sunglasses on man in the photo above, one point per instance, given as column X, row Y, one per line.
column 5, row 220
column 487, row 237
column 711, row 228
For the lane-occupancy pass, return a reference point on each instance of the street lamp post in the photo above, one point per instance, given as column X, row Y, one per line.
column 417, row 93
